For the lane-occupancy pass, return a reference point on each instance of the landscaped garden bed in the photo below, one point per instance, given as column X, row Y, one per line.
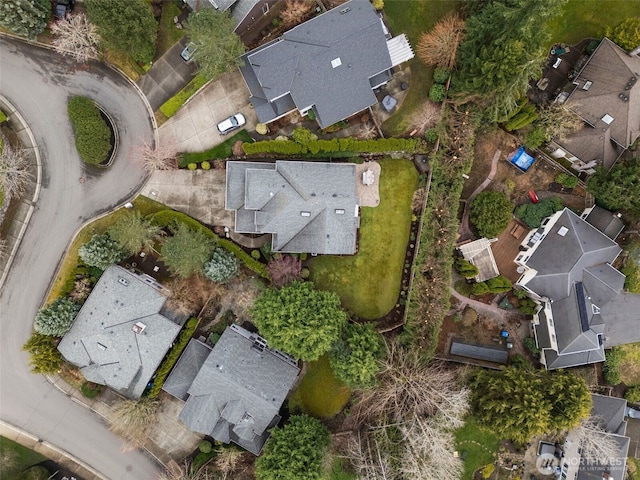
column 95, row 133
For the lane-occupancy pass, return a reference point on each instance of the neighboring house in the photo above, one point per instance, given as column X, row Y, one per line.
column 479, row 253
column 120, row 335
column 245, row 12
column 234, row 391
column 607, row 97
column 307, row 206
column 330, row 65
column 610, row 412
column 567, row 268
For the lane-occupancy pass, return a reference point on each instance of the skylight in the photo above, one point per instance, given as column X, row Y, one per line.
column 563, row 231
column 607, row 119
column 336, row 62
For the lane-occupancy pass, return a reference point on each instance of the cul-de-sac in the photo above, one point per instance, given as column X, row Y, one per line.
column 320, row 239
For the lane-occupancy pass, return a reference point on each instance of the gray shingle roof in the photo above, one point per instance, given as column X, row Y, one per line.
column 326, row 62
column 102, row 340
column 605, row 221
column 186, row 369
column 622, row 320
column 308, row 206
column 239, row 390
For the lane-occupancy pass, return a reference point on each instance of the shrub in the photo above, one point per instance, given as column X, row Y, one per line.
column 172, row 357
column 44, row 357
column 262, row 129
column 611, row 367
column 535, row 137
column 304, row 273
column 378, row 4
column 633, row 394
column 205, row 165
column 488, row 470
column 441, row 75
column 3, row 117
column 222, row 266
column 469, row 316
column 90, row 389
column 490, row 213
column 437, row 93
column 465, row 268
column 255, row 254
column 462, row 287
column 101, row 251
column 499, row 284
column 192, row 166
column 527, row 306
column 303, row 136
column 56, row 319
column 205, row 446
column 566, row 180
column 530, row 344
column 171, row 106
column 479, row 288
column 354, row 356
column 431, row 135
column 92, row 132
column 632, row 271
column 532, row 214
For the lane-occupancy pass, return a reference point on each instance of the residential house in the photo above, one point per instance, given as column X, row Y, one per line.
column 120, row 335
column 576, row 465
column 244, row 12
column 233, row 392
column 607, row 97
column 329, row 65
column 567, row 268
column 307, row 206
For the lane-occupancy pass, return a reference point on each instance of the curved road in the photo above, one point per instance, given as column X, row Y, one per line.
column 38, row 83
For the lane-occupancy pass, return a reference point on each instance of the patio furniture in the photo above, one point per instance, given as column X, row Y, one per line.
column 389, row 103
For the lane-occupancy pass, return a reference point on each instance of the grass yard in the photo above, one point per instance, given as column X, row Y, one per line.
column 320, row 393
column 368, row 283
column 224, row 150
column 70, row 261
column 168, row 33
column 477, row 445
column 16, row 458
column 589, row 18
column 630, row 366
column 414, row 18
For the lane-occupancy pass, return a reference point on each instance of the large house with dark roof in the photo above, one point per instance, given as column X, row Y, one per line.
column 329, row 65
column 566, row 267
column 120, row 335
column 610, row 413
column 307, row 206
column 233, row 392
column 606, row 97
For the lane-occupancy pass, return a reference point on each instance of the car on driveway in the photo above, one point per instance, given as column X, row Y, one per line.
column 231, row 123
column 632, row 412
column 189, row 50
column 63, row 8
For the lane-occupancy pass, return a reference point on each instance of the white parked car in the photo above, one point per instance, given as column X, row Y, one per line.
column 632, row 412
column 231, row 123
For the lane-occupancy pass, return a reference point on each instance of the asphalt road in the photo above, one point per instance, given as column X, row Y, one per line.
column 38, row 82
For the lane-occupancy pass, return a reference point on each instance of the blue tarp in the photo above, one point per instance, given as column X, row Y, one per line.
column 522, row 159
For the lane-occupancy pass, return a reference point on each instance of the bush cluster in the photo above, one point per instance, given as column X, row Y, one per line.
column 526, row 115
column 441, row 75
column 437, row 93
column 172, row 357
column 497, row 284
column 171, row 106
column 611, row 368
column 534, row 213
column 93, row 133
column 290, row 147
column 633, row 394
column 566, row 180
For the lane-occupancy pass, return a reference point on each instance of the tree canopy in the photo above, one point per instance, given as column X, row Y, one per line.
column 101, row 251
column 218, row 48
column 626, row 33
column 354, row 357
column 27, row 18
column 439, row 46
column 222, row 266
column 44, row 355
column 127, row 26
column 534, row 213
column 618, row 189
column 295, row 451
column 56, row 319
column 521, row 403
column 490, row 213
column 186, row 251
column 299, row 320
column 135, row 233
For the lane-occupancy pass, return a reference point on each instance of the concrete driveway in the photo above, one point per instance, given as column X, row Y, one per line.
column 198, row 193
column 39, row 83
column 193, row 128
column 167, row 76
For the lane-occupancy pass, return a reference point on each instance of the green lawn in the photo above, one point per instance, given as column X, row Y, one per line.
column 224, row 150
column 368, row 283
column 168, row 34
column 589, row 18
column 630, row 366
column 16, row 458
column 414, row 18
column 477, row 445
column 320, row 393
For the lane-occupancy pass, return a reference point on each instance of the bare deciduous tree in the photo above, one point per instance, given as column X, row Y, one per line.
column 369, row 457
column 426, row 116
column 227, row 460
column 14, row 170
column 132, row 419
column 596, row 444
column 440, row 46
column 189, row 295
column 558, row 121
column 162, row 157
column 296, row 11
column 76, row 37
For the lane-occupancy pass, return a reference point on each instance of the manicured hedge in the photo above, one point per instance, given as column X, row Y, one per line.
column 93, row 133
column 166, row 218
column 172, row 357
column 224, row 150
column 171, row 106
column 289, row 147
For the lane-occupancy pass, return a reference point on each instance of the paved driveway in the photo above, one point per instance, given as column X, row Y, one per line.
column 38, row 83
column 167, row 76
column 193, row 128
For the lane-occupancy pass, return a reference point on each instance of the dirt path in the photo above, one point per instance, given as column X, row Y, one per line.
column 479, row 306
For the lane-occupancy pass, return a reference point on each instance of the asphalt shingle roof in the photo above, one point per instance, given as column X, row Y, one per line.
column 186, row 369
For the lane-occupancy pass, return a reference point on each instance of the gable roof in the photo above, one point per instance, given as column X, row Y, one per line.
column 186, row 369
column 614, row 76
column 307, row 206
column 238, row 391
column 330, row 63
column 605, row 221
column 105, row 341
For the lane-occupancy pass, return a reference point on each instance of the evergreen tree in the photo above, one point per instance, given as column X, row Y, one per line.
column 27, row 18
column 186, row 251
column 490, row 213
column 354, row 357
column 101, row 252
column 56, row 318
column 299, row 320
column 626, row 33
column 618, row 189
column 222, row 266
column 135, row 233
column 44, row 356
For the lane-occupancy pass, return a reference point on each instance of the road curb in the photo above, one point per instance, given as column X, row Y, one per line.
column 12, row 113
column 49, row 450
